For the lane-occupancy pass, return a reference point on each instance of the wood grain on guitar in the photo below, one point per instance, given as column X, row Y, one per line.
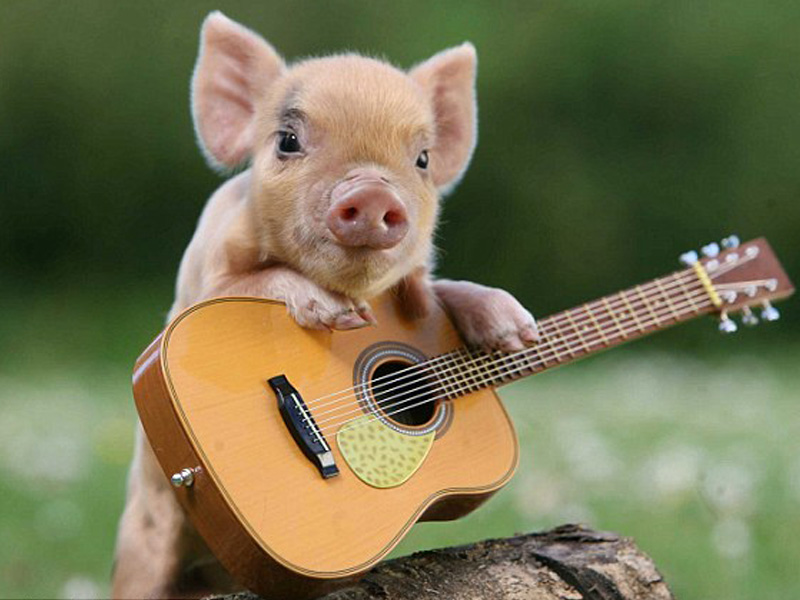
column 303, row 457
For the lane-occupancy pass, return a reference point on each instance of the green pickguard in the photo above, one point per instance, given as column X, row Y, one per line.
column 379, row 455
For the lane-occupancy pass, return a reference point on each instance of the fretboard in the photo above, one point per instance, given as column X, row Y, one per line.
column 578, row 332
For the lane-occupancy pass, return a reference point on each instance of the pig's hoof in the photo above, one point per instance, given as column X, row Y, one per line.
column 320, row 309
column 506, row 340
column 493, row 319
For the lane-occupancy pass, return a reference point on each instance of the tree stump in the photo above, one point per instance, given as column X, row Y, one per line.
column 569, row 562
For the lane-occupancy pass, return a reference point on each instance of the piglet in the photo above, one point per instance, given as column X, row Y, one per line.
column 346, row 160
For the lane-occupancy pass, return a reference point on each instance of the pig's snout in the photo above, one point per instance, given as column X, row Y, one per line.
column 367, row 213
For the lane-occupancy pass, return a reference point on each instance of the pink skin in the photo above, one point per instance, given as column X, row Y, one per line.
column 487, row 318
column 310, row 305
column 366, row 211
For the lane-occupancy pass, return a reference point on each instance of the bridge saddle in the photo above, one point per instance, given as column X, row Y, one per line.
column 301, row 425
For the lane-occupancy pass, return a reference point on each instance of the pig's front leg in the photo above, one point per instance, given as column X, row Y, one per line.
column 488, row 318
column 309, row 304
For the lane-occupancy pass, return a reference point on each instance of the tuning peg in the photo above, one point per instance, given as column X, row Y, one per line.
column 689, row 258
column 726, row 324
column 711, row 250
column 748, row 318
column 769, row 312
column 732, row 241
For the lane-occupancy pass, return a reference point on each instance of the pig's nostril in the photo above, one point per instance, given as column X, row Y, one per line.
column 393, row 218
column 369, row 215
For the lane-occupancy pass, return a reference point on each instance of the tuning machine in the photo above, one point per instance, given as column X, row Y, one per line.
column 710, row 250
column 732, row 241
column 748, row 317
column 726, row 324
column 769, row 312
column 689, row 258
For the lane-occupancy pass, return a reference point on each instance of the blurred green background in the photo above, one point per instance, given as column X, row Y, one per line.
column 613, row 136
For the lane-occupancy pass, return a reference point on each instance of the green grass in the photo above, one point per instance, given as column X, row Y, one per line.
column 698, row 460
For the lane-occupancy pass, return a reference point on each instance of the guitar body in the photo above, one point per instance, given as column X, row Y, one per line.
column 265, row 510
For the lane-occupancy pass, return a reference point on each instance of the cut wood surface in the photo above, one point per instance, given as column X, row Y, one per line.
column 569, row 562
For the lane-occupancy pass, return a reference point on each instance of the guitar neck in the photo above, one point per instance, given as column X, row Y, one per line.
column 579, row 332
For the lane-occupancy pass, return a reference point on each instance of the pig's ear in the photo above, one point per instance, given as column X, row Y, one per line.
column 448, row 79
column 235, row 66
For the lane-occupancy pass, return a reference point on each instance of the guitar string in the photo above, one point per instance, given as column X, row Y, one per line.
column 553, row 323
column 658, row 293
column 497, row 366
column 465, row 389
column 456, row 358
column 686, row 275
column 676, row 279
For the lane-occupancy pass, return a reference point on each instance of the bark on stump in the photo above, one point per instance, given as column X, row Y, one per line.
column 569, row 562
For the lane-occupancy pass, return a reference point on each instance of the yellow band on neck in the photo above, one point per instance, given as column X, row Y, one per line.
column 702, row 275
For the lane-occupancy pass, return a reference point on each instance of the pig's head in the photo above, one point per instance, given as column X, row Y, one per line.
column 349, row 155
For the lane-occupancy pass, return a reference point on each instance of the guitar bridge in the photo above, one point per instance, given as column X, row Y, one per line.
column 301, row 425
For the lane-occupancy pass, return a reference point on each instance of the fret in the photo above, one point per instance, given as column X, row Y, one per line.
column 656, row 319
column 577, row 332
column 485, row 366
column 494, row 366
column 459, row 372
column 479, row 368
column 499, row 372
column 667, row 300
column 588, row 310
column 528, row 359
column 506, row 365
column 611, row 312
column 462, row 375
column 682, row 288
column 570, row 343
column 623, row 294
column 550, row 341
column 455, row 373
column 473, row 369
column 471, row 373
column 502, row 369
column 533, row 364
column 518, row 364
column 545, row 341
column 588, row 328
column 444, row 373
column 541, row 362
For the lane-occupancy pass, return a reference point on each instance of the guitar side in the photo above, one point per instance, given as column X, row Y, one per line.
column 263, row 508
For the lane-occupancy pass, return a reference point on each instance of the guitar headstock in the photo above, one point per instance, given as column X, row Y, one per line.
column 743, row 276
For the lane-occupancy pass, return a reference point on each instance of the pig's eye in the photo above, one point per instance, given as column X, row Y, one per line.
column 288, row 142
column 422, row 160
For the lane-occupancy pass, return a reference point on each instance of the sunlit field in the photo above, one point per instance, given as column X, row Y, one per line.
column 697, row 459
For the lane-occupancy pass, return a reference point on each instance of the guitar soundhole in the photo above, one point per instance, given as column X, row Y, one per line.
column 404, row 395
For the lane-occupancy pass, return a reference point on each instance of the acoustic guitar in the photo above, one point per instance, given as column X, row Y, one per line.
column 303, row 457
